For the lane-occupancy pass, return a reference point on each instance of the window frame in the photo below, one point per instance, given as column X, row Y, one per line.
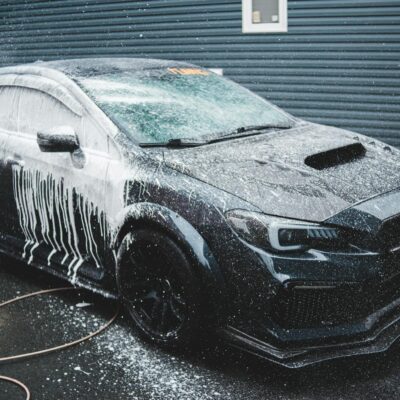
column 249, row 27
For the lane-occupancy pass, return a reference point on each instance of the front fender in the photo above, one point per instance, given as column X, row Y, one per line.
column 153, row 215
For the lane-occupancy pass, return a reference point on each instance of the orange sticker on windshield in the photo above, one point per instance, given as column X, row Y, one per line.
column 188, row 71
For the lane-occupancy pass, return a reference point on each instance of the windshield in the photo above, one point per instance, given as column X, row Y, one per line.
column 158, row 105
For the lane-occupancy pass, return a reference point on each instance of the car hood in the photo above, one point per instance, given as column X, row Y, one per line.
column 301, row 173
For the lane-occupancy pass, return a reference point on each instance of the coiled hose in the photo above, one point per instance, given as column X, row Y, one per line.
column 52, row 349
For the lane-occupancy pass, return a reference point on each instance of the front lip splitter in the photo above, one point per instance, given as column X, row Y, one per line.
column 384, row 331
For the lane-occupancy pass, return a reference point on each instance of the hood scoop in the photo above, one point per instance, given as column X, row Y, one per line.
column 334, row 157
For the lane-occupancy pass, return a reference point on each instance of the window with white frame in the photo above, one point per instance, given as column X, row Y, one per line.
column 264, row 16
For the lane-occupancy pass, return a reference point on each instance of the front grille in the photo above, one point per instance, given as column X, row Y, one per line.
column 306, row 307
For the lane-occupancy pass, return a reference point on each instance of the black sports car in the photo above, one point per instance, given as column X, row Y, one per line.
column 202, row 206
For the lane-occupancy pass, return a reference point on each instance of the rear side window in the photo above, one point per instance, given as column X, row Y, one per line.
column 9, row 98
column 38, row 111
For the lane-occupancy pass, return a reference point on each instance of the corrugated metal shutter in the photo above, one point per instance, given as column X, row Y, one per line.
column 339, row 64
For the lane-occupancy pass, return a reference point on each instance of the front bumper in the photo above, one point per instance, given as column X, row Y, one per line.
column 300, row 309
column 316, row 307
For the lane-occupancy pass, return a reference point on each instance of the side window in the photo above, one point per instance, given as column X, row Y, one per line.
column 39, row 111
column 9, row 97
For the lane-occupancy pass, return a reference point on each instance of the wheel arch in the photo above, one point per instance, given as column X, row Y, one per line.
column 149, row 215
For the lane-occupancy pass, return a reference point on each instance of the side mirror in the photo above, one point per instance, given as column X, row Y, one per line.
column 61, row 139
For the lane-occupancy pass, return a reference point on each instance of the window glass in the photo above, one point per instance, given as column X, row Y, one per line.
column 9, row 107
column 265, row 11
column 39, row 111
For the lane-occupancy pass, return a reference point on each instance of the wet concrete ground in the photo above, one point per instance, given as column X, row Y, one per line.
column 118, row 366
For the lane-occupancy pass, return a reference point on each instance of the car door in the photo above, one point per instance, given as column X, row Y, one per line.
column 8, row 124
column 58, row 196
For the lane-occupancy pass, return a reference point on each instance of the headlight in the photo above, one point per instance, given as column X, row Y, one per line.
column 280, row 234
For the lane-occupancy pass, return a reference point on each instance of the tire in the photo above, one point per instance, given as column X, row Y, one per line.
column 160, row 289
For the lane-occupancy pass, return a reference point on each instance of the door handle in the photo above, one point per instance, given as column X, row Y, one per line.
column 13, row 161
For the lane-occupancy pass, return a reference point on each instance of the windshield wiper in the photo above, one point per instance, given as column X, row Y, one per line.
column 245, row 131
column 174, row 143
column 237, row 133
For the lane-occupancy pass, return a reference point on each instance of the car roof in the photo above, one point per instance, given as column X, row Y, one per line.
column 84, row 67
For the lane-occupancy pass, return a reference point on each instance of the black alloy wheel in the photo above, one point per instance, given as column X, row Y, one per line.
column 159, row 288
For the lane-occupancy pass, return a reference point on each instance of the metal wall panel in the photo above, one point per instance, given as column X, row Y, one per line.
column 339, row 63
